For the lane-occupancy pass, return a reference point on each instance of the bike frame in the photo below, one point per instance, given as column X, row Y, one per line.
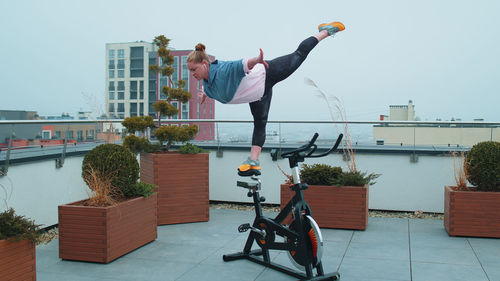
column 299, row 208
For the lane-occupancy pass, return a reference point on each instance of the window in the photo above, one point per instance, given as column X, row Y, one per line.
column 133, row 90
column 111, row 54
column 121, row 68
column 111, row 73
column 175, row 75
column 89, row 135
column 46, row 134
column 152, row 86
column 141, row 109
column 111, row 95
column 121, row 90
column 185, row 72
column 136, row 52
column 163, row 82
column 133, row 109
column 121, row 107
column 111, row 64
column 111, row 86
column 111, row 107
column 121, row 64
column 136, row 61
column 152, row 96
column 185, row 110
column 57, row 134
column 176, row 105
column 141, row 90
column 69, row 135
column 152, row 61
column 121, row 53
column 79, row 135
column 198, row 110
column 151, row 110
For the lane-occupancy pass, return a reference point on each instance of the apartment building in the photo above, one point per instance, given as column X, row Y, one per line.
column 131, row 88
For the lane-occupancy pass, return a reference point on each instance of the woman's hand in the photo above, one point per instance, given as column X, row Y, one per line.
column 202, row 96
column 261, row 59
column 258, row 59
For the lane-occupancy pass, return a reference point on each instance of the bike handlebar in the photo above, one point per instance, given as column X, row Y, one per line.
column 311, row 148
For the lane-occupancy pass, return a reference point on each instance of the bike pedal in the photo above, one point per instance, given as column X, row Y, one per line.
column 244, row 227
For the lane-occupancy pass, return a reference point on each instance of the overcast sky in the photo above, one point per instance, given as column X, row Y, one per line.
column 442, row 54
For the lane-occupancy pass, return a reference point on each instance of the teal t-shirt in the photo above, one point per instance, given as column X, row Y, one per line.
column 224, row 77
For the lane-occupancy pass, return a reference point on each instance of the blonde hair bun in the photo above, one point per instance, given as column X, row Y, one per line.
column 198, row 55
column 200, row 47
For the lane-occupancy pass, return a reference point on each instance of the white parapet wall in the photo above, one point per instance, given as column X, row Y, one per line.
column 35, row 189
column 39, row 187
column 402, row 185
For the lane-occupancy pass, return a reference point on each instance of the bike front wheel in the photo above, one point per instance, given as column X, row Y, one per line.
column 313, row 249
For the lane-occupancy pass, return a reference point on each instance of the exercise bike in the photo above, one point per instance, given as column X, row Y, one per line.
column 301, row 239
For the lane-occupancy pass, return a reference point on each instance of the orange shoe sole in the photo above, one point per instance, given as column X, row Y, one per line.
column 246, row 167
column 335, row 23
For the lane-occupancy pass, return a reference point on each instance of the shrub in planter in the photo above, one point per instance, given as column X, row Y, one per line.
column 482, row 166
column 474, row 211
column 18, row 237
column 338, row 199
column 320, row 174
column 323, row 174
column 120, row 215
column 16, row 228
column 190, row 148
column 119, row 165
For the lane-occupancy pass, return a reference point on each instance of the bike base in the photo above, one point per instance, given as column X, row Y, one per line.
column 253, row 257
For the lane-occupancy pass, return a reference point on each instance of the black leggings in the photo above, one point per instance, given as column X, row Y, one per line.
column 279, row 69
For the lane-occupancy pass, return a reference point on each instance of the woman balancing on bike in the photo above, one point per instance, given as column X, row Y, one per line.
column 251, row 81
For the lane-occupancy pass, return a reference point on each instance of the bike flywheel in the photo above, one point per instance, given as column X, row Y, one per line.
column 314, row 244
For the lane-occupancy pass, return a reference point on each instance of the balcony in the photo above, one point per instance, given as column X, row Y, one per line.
column 413, row 177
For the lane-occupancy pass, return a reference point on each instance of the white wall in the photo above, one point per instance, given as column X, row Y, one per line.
column 402, row 185
column 38, row 187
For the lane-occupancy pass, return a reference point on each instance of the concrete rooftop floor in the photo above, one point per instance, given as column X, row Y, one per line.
column 389, row 249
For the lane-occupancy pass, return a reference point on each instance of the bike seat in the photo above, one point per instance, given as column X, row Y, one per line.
column 247, row 185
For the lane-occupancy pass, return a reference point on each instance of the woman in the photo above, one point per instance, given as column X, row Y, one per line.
column 251, row 81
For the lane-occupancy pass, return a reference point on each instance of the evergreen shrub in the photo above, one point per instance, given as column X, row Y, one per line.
column 116, row 161
column 482, row 166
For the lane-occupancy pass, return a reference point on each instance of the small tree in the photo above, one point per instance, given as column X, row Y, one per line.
column 138, row 124
column 175, row 91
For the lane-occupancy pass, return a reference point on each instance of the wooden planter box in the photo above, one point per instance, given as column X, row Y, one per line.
column 102, row 234
column 17, row 260
column 182, row 180
column 334, row 206
column 472, row 213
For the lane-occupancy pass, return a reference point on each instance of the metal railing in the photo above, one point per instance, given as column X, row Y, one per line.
column 412, row 133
